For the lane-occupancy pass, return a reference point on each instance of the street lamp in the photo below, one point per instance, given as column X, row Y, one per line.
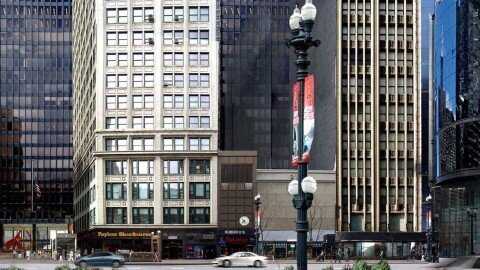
column 472, row 214
column 258, row 202
column 428, row 202
column 302, row 200
column 301, row 23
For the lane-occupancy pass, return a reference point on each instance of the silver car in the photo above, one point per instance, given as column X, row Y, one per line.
column 241, row 259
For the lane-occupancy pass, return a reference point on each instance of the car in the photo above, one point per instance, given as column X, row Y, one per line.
column 101, row 259
column 241, row 259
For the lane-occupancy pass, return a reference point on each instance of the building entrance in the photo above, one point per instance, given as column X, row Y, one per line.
column 172, row 249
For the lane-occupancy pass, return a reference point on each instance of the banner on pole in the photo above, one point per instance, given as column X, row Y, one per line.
column 308, row 118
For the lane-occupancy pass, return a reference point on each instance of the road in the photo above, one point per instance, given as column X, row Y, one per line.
column 51, row 266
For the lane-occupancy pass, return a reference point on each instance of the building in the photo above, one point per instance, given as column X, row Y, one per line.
column 456, row 81
column 35, row 123
column 145, row 125
column 379, row 184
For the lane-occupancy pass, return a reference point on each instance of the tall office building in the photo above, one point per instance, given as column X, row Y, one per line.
column 378, row 116
column 257, row 73
column 35, row 122
column 145, row 124
column 457, row 104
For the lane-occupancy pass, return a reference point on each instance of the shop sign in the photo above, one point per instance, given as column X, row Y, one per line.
column 123, row 234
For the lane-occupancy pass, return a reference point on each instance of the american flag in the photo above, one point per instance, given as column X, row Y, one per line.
column 38, row 192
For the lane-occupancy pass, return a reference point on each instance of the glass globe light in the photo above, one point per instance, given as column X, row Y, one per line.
column 293, row 187
column 295, row 19
column 309, row 185
column 309, row 11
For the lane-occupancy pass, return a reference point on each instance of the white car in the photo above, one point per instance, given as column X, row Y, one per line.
column 241, row 259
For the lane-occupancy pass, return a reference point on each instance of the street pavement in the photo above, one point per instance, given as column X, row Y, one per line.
column 49, row 265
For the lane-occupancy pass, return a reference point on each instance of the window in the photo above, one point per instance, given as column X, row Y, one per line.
column 115, row 123
column 199, row 166
column 116, row 102
column 168, row 14
column 170, row 79
column 173, row 37
column 193, row 80
column 199, row 122
column 204, row 59
column 178, row 80
column 198, row 14
column 142, row 215
column 199, row 144
column 143, row 38
column 173, row 191
column 117, row 15
column 193, row 37
column 204, row 101
column 117, row 80
column 116, row 215
column 140, row 122
column 173, row 122
column 142, row 191
column 199, row 101
column 142, row 167
column 173, row 167
column 199, row 215
column 204, row 37
column 117, row 38
column 143, row 59
column 173, row 215
column 111, row 15
column 178, row 60
column 199, row 191
column 204, row 80
column 114, row 60
column 116, row 191
column 141, row 15
column 173, row 101
column 173, row 144
column 122, row 15
column 142, row 144
column 198, row 37
column 167, row 59
column 115, row 167
column 178, row 14
column 116, row 144
column 143, row 102
column 199, row 80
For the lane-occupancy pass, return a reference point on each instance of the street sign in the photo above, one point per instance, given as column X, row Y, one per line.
column 244, row 221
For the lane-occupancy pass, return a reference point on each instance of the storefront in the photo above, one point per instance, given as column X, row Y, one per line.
column 40, row 237
column 176, row 244
column 230, row 241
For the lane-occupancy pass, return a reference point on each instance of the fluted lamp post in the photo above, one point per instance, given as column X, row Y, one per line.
column 301, row 23
column 302, row 200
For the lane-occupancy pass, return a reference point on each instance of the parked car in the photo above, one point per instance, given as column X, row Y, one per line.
column 101, row 259
column 241, row 259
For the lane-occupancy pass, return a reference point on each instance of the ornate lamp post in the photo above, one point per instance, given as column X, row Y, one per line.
column 258, row 202
column 472, row 214
column 301, row 24
column 302, row 200
column 428, row 201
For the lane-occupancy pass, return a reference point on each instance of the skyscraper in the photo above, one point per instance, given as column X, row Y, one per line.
column 457, row 104
column 145, row 124
column 35, row 121
column 378, row 116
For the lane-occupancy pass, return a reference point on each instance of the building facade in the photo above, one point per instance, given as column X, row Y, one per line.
column 456, row 86
column 378, row 117
column 35, row 122
column 145, row 124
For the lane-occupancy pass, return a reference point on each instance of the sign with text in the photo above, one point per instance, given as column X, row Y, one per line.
column 308, row 119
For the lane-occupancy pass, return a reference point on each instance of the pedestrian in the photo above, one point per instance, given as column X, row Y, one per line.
column 130, row 255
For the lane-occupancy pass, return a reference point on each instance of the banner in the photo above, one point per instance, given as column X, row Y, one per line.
column 308, row 118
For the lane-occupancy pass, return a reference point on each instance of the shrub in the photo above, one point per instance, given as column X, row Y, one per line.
column 381, row 265
column 360, row 265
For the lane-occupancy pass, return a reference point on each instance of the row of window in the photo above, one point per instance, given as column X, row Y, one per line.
column 146, row 144
column 171, row 215
column 120, row 102
column 147, row 122
column 146, row 14
column 146, row 80
column 139, row 59
column 170, row 37
column 146, row 167
column 145, row 191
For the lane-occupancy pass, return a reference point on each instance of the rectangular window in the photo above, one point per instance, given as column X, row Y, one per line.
column 199, row 191
column 116, row 191
column 122, row 60
column 137, row 15
column 178, row 59
column 178, row 37
column 204, row 14
column 197, row 144
column 178, row 14
column 142, row 167
column 148, row 122
column 149, row 59
column 111, row 15
column 142, row 191
column 122, row 102
column 115, row 167
column 168, row 122
column 173, row 167
column 168, row 14
column 168, row 101
column 122, row 81
column 111, row 102
column 138, row 38
column 204, row 122
column 178, row 101
column 167, row 59
column 193, row 102
column 199, row 215
column 178, row 80
column 204, row 80
column 173, row 215
column 193, row 122
column 116, row 215
column 111, row 59
column 122, row 38
column 167, row 80
column 143, row 59
column 193, row 59
column 111, row 81
column 193, row 37
column 204, row 101
column 142, row 215
column 204, row 37
column 122, row 15
column 173, row 144
column 142, row 144
column 122, row 123
column 178, row 122
column 111, row 39
column 193, row 80
column 141, row 15
column 110, row 123
column 167, row 37
column 116, row 144
column 193, row 14
column 173, row 191
column 198, row 14
column 204, row 59
column 199, row 166
column 138, row 102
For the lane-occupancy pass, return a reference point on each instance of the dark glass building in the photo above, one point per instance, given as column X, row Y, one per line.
column 457, row 101
column 257, row 73
column 35, row 121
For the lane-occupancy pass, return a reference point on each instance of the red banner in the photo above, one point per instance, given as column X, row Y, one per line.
column 308, row 118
